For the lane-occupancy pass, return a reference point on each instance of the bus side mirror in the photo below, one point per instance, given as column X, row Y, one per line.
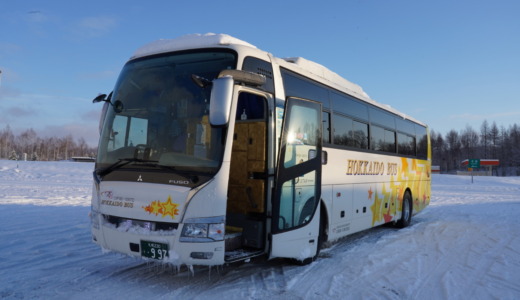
column 99, row 98
column 220, row 101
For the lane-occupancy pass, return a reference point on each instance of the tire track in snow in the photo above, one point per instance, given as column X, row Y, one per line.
column 460, row 270
column 267, row 282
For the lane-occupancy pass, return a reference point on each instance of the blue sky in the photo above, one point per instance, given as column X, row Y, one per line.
column 447, row 63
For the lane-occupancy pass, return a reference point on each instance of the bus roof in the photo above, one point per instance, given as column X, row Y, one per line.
column 189, row 41
column 325, row 73
column 305, row 67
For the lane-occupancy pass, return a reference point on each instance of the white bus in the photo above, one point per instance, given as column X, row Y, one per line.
column 213, row 151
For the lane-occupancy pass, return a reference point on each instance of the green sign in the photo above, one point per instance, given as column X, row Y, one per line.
column 474, row 163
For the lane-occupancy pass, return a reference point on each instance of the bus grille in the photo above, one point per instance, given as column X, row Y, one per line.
column 119, row 222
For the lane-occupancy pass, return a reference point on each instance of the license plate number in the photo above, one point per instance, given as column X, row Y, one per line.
column 154, row 250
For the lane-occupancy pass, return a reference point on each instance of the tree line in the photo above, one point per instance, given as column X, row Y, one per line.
column 490, row 142
column 28, row 145
column 448, row 151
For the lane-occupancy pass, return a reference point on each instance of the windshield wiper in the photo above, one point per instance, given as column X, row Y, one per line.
column 201, row 81
column 118, row 164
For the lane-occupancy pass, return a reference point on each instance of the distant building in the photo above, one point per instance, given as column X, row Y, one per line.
column 83, row 159
column 486, row 167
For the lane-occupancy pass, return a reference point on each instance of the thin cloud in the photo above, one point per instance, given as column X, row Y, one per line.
column 21, row 112
column 96, row 26
column 8, row 93
column 91, row 115
column 7, row 48
column 38, row 23
column 107, row 74
column 11, row 115
column 36, row 16
column 477, row 117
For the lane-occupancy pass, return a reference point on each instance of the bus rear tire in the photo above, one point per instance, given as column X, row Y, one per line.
column 406, row 211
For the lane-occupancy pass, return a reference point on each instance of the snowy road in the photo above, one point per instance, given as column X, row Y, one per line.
column 465, row 245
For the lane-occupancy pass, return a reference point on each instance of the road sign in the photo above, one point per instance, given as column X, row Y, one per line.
column 474, row 163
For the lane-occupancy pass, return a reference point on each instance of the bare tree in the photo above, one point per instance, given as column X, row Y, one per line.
column 438, row 149
column 494, row 136
column 6, row 142
column 37, row 148
column 453, row 149
column 514, row 136
column 484, row 137
column 469, row 140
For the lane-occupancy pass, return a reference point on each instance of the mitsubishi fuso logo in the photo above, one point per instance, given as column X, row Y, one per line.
column 140, row 178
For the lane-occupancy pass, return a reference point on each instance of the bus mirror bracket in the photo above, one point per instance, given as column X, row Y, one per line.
column 102, row 98
column 220, row 102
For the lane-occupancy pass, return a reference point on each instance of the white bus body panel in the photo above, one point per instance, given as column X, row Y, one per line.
column 369, row 194
column 140, row 201
column 299, row 243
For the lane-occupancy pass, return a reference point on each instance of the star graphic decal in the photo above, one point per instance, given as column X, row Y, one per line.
column 169, row 208
column 166, row 208
column 387, row 216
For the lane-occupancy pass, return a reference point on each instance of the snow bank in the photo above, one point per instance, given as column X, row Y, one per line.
column 45, row 183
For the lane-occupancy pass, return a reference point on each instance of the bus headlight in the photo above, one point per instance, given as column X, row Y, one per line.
column 195, row 230
column 216, row 231
column 203, row 230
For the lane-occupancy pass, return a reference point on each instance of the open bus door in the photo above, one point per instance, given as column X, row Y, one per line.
column 296, row 219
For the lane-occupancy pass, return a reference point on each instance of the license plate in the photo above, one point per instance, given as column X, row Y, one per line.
column 154, row 250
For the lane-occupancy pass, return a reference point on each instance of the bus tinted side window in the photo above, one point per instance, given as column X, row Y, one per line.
column 382, row 139
column 422, row 142
column 349, row 106
column 326, row 128
column 406, row 144
column 351, row 133
column 390, row 144
column 354, row 123
column 382, row 118
column 298, row 86
column 377, row 138
column 360, row 135
column 342, row 130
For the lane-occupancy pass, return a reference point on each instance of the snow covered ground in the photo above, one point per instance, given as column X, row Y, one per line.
column 465, row 245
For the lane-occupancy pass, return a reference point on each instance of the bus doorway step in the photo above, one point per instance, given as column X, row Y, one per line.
column 241, row 254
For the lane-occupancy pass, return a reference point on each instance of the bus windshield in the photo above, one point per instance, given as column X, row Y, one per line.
column 158, row 117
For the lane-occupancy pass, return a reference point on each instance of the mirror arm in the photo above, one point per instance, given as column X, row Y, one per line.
column 103, row 98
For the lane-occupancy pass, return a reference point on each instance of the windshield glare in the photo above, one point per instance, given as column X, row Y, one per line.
column 160, row 114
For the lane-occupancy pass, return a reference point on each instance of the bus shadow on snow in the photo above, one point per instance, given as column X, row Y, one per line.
column 261, row 263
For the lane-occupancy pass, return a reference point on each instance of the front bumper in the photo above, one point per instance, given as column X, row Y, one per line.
column 128, row 241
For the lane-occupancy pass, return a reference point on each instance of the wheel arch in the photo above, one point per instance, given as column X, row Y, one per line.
column 324, row 219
